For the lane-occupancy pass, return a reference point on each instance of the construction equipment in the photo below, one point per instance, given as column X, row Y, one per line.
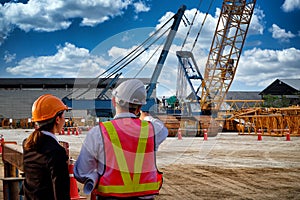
column 220, row 68
column 270, row 121
column 102, row 107
column 223, row 58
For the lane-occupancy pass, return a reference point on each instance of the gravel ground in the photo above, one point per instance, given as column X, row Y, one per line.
column 228, row 166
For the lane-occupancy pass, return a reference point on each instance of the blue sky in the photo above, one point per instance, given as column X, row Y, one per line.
column 58, row 38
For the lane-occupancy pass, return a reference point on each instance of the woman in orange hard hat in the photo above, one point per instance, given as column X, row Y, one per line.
column 45, row 160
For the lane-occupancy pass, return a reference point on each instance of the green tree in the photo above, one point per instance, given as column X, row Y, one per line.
column 275, row 101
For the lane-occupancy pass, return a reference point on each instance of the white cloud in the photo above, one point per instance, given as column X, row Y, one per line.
column 5, row 26
column 141, row 7
column 290, row 5
column 9, row 57
column 256, row 25
column 207, row 31
column 52, row 15
column 260, row 67
column 257, row 67
column 69, row 61
column 281, row 34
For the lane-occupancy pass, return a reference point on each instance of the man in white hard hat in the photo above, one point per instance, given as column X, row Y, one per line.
column 117, row 159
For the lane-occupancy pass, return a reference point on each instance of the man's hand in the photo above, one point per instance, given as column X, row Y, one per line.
column 143, row 115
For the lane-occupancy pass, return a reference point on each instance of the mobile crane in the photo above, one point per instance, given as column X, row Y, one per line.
column 220, row 68
column 102, row 106
column 224, row 55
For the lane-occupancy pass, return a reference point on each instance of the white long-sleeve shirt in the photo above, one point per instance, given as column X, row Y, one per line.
column 90, row 162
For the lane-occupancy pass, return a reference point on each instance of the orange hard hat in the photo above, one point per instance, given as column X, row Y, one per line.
column 46, row 107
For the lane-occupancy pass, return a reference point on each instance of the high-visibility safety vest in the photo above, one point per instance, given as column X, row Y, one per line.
column 130, row 168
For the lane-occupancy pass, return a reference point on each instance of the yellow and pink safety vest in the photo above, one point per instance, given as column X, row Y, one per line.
column 130, row 168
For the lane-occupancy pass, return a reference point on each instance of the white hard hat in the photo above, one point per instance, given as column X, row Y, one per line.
column 130, row 91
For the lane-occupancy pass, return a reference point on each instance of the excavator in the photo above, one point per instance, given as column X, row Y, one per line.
column 223, row 58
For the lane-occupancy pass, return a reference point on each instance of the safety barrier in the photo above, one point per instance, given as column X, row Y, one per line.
column 12, row 156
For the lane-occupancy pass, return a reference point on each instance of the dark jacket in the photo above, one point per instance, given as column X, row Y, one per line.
column 46, row 171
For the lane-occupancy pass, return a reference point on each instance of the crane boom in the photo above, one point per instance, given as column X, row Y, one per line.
column 165, row 51
column 225, row 51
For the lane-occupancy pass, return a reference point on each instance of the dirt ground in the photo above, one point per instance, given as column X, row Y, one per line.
column 228, row 166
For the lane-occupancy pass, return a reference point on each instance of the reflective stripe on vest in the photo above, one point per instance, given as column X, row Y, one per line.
column 131, row 185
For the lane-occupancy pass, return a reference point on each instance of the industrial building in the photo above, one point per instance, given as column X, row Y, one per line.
column 18, row 94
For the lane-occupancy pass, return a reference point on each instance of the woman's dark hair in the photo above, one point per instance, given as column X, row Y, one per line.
column 33, row 139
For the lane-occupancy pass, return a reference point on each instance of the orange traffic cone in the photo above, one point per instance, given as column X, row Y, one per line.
column 63, row 131
column 288, row 137
column 259, row 137
column 179, row 135
column 76, row 132
column 73, row 130
column 73, row 184
column 68, row 130
column 205, row 134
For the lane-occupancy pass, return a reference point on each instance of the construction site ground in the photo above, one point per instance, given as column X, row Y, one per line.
column 227, row 166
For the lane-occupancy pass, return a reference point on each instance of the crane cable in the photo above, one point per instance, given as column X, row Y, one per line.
column 198, row 34
column 136, row 49
column 114, row 65
column 149, row 59
column 192, row 23
column 126, row 62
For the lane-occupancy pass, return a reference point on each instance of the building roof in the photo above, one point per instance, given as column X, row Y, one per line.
column 295, row 83
column 282, row 87
column 20, row 83
column 18, row 94
column 243, row 95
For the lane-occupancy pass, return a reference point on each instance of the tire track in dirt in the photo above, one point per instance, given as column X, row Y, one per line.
column 223, row 182
column 215, row 182
column 174, row 190
column 210, row 182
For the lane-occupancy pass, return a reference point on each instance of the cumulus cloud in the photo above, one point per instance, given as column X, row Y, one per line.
column 255, row 64
column 257, row 25
column 290, row 5
column 281, row 34
column 9, row 57
column 52, row 15
column 208, row 29
column 260, row 67
column 141, row 7
column 69, row 61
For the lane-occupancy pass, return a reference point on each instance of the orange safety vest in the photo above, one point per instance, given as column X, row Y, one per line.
column 130, row 168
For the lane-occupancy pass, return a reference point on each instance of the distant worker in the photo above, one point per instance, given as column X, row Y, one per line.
column 164, row 102
column 117, row 159
column 45, row 160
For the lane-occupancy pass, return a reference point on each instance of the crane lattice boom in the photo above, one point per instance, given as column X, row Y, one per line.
column 225, row 51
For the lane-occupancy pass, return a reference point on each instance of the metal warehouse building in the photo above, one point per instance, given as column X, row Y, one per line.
column 18, row 94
